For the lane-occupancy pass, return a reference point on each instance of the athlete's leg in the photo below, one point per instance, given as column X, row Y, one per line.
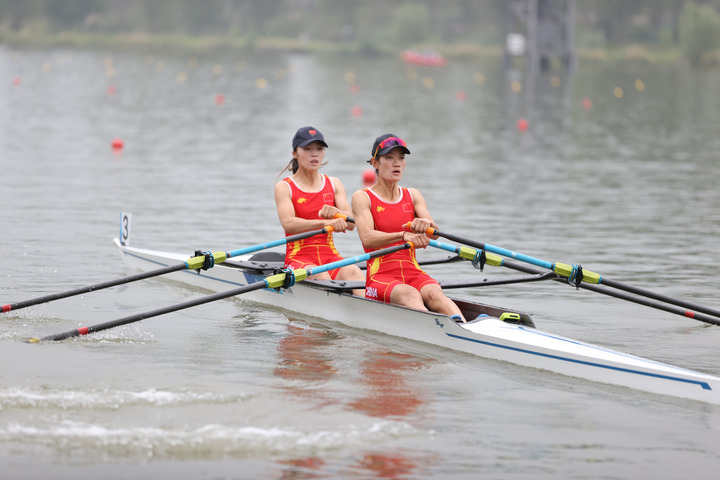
column 407, row 296
column 436, row 300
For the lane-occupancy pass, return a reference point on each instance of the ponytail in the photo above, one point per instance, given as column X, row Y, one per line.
column 292, row 166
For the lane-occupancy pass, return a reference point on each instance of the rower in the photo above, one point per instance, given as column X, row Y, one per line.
column 308, row 200
column 380, row 212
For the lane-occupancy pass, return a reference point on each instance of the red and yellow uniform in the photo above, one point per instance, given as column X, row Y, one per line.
column 384, row 273
column 318, row 249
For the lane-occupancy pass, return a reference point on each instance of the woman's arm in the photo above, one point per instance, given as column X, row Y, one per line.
column 369, row 236
column 341, row 203
column 423, row 219
column 293, row 224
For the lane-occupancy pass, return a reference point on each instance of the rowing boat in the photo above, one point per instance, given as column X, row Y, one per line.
column 513, row 339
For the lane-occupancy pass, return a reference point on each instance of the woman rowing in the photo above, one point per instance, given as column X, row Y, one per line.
column 380, row 213
column 308, row 200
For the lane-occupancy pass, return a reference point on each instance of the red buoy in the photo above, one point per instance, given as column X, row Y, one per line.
column 219, row 99
column 369, row 177
column 522, row 124
column 117, row 144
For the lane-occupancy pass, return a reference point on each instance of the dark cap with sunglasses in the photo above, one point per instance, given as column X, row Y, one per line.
column 384, row 143
column 306, row 135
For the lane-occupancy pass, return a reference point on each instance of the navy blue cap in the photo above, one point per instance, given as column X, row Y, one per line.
column 306, row 135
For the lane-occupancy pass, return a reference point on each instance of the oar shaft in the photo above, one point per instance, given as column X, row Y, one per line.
column 499, row 250
column 92, row 288
column 280, row 241
column 360, row 258
column 611, row 293
column 154, row 313
column 693, row 310
column 663, row 298
column 467, row 253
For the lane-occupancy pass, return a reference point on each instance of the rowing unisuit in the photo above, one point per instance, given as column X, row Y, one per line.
column 384, row 273
column 319, row 249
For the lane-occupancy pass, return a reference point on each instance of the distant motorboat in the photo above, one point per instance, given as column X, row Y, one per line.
column 427, row 58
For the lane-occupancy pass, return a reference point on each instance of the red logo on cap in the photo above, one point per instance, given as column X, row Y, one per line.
column 312, row 132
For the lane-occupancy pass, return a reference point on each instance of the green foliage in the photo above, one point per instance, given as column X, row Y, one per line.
column 72, row 13
column 366, row 26
column 699, row 33
column 409, row 23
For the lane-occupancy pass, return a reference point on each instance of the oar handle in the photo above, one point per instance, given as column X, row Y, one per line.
column 429, row 232
column 344, row 217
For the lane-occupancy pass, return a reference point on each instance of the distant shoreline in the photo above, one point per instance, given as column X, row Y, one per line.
column 251, row 44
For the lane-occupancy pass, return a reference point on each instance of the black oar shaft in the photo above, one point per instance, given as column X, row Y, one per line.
column 606, row 291
column 192, row 263
column 154, row 313
column 92, row 288
column 660, row 297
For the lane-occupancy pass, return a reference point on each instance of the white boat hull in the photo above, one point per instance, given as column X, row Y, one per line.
column 490, row 338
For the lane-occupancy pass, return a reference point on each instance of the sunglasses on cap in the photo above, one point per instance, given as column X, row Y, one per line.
column 390, row 142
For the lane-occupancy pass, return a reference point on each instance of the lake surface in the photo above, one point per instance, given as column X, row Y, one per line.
column 623, row 182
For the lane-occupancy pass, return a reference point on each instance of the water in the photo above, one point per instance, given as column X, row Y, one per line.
column 627, row 187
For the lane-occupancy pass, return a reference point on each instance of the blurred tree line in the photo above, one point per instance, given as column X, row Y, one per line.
column 692, row 24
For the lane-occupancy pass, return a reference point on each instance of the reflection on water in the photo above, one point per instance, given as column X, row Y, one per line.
column 303, row 468
column 307, row 363
column 390, row 391
column 387, row 379
column 387, row 466
column 304, row 358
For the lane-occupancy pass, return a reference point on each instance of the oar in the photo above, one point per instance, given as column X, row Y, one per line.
column 202, row 261
column 478, row 257
column 575, row 275
column 616, row 294
column 285, row 279
column 542, row 275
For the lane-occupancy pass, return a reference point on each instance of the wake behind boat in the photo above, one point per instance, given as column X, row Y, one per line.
column 513, row 339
